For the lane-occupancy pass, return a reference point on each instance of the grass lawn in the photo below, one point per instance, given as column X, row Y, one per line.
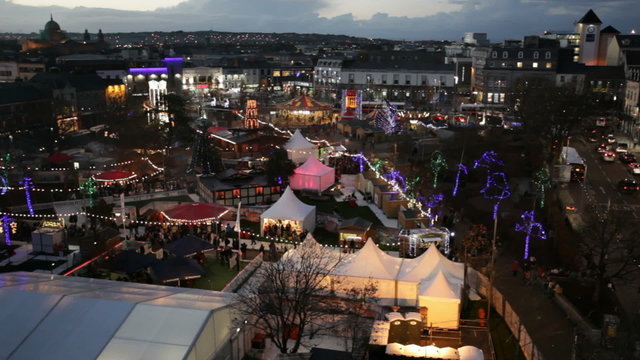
column 218, row 275
column 325, row 237
column 141, row 203
column 343, row 209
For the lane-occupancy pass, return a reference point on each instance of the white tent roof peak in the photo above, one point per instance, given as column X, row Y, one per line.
column 298, row 141
column 288, row 207
column 439, row 287
column 372, row 262
column 313, row 166
column 428, row 264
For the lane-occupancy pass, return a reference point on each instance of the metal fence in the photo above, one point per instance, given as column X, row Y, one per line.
column 480, row 284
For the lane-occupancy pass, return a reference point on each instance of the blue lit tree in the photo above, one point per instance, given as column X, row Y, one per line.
column 496, row 188
column 27, row 185
column 531, row 228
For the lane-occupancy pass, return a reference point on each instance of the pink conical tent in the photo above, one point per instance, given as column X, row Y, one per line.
column 313, row 175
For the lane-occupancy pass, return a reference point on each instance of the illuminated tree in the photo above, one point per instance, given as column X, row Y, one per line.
column 531, row 228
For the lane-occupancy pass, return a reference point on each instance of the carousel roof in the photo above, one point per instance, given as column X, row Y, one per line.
column 114, row 175
column 194, row 212
column 304, row 103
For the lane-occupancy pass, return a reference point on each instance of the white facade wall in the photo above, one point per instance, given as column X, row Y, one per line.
column 398, row 77
column 8, row 71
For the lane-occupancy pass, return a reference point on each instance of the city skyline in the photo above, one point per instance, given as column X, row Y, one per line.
column 437, row 20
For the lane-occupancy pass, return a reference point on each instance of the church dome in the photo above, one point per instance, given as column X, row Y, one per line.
column 51, row 26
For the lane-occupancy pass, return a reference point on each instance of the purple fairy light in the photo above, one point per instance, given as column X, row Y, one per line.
column 462, row 169
column 496, row 188
column 7, row 228
column 487, row 160
column 27, row 183
column 531, row 228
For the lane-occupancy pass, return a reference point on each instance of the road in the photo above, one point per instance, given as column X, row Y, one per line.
column 602, row 180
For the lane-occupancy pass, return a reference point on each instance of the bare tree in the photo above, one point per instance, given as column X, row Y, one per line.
column 287, row 305
column 609, row 244
column 360, row 300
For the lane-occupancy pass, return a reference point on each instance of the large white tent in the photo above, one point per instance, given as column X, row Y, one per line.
column 56, row 317
column 290, row 208
column 369, row 264
column 313, row 175
column 442, row 298
column 429, row 280
column 300, row 149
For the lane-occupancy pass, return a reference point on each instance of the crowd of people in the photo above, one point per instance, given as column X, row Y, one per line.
column 535, row 275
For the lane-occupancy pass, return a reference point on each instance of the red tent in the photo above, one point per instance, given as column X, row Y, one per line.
column 114, row 175
column 59, row 158
column 195, row 212
column 215, row 129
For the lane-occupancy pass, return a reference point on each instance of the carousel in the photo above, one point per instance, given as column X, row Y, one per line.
column 304, row 111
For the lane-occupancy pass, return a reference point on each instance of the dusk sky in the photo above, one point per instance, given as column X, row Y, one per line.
column 394, row 19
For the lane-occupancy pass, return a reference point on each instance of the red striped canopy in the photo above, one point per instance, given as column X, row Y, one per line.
column 114, row 175
column 194, row 212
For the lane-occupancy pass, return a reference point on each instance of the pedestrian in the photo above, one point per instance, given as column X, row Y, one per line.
column 515, row 266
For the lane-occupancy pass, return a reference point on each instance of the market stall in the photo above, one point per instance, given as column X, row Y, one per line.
column 299, row 149
column 288, row 214
column 312, row 175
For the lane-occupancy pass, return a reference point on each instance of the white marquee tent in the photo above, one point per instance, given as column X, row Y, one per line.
column 370, row 264
column 442, row 299
column 429, row 280
column 57, row 317
column 290, row 208
column 313, row 175
column 300, row 149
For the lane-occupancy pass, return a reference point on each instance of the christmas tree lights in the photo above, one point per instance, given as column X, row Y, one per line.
column 438, row 163
column 531, row 228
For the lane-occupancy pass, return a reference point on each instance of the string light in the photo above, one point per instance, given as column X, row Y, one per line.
column 8, row 227
column 542, row 181
column 27, row 185
column 531, row 228
column 90, row 187
column 462, row 169
column 496, row 188
column 438, row 163
column 488, row 160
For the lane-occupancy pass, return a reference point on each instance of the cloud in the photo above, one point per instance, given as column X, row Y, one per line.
column 500, row 18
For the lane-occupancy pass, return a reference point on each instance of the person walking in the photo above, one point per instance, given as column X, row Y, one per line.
column 515, row 266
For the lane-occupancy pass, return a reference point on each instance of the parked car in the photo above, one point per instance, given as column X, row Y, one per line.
column 627, row 158
column 628, row 186
column 604, row 147
column 622, row 148
column 634, row 168
column 609, row 156
column 611, row 139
